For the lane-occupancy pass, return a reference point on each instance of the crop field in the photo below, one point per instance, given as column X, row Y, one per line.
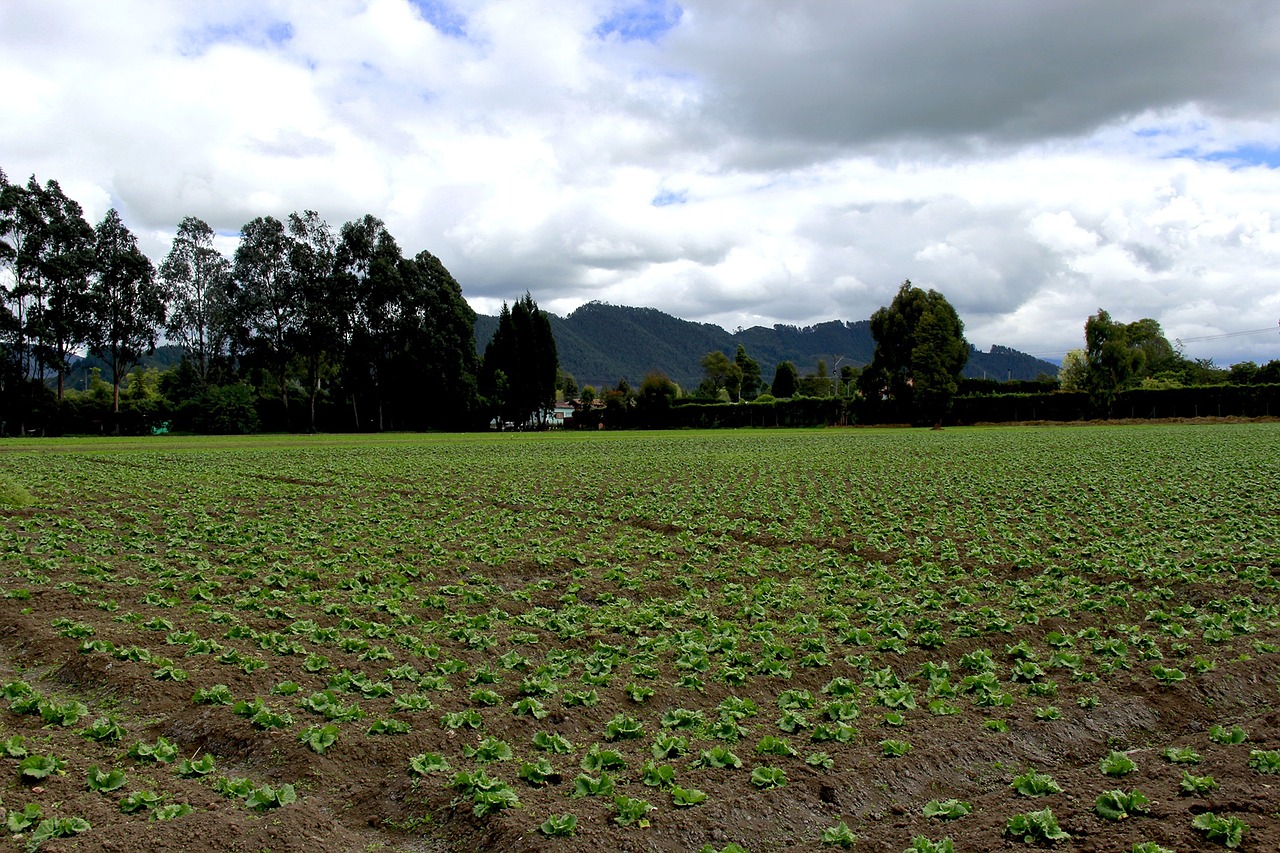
column 884, row 640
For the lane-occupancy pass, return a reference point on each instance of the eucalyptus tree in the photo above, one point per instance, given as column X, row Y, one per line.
column 368, row 270
column 266, row 300
column 198, row 283
column 57, row 260
column 127, row 300
column 324, row 307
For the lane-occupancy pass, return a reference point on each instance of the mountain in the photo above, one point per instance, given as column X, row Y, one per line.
column 600, row 344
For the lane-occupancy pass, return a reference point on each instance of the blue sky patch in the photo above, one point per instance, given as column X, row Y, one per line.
column 251, row 32
column 442, row 16
column 666, row 198
column 641, row 20
column 1247, row 155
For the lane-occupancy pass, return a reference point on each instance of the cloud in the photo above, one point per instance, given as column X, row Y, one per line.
column 744, row 162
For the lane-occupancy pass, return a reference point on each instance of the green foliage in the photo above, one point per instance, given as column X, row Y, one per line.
column 768, row 777
column 390, row 727
column 138, row 801
column 104, row 729
column 14, row 746
column 1117, row 805
column 195, row 768
column 14, row 495
column 489, row 750
column 920, row 351
column 319, row 738
column 105, row 780
column 585, row 785
column 1036, row 828
column 172, row 811
column 839, row 835
column 657, row 775
column 921, row 844
column 1035, row 784
column 33, row 768
column 1180, row 755
column 266, row 797
column 1117, row 764
column 518, row 372
column 426, row 763
column 214, row 694
column 631, row 810
column 162, row 751
column 1233, row 735
column 552, row 742
column 720, row 757
column 559, row 826
column 1192, row 784
column 539, row 773
column 686, row 797
column 947, row 809
column 623, row 727
column 786, row 381
column 597, row 758
column 19, row 820
column 61, row 827
column 894, row 748
column 1265, row 760
column 1227, row 831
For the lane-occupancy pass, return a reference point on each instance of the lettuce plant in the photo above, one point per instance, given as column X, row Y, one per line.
column 686, row 797
column 426, row 763
column 839, row 835
column 631, row 810
column 1117, row 805
column 1117, row 764
column 1227, row 831
column 1036, row 828
column 1265, row 760
column 1233, row 735
column 1192, row 784
column 559, row 826
column 946, row 809
column 1035, row 784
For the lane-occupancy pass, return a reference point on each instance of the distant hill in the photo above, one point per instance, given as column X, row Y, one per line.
column 600, row 344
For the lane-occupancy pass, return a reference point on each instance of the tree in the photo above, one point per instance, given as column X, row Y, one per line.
column 920, row 351
column 721, row 373
column 567, row 385
column 785, row 381
column 522, row 354
column 198, row 281
column 1113, row 364
column 267, row 301
column 751, row 382
column 369, row 270
column 59, row 252
column 657, row 395
column 128, row 301
column 1073, row 374
column 323, row 305
column 818, row 383
column 432, row 369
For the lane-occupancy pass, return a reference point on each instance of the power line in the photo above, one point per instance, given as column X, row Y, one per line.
column 1224, row 335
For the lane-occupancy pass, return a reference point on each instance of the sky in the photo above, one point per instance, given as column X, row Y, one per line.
column 739, row 162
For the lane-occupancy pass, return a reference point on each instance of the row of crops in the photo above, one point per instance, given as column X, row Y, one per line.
column 755, row 640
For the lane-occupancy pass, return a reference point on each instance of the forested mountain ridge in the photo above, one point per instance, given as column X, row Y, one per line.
column 600, row 344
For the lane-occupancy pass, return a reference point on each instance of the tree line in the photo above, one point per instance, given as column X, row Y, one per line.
column 920, row 351
column 304, row 327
